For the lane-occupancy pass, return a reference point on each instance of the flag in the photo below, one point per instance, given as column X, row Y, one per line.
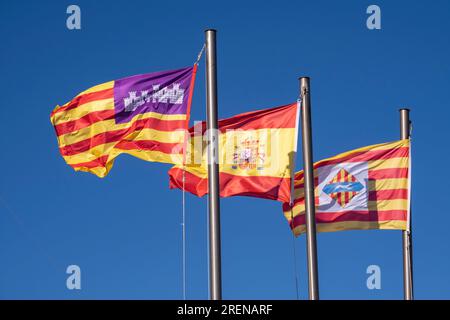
column 144, row 115
column 366, row 188
column 256, row 150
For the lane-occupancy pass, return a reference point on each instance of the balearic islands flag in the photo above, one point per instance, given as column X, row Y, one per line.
column 367, row 188
column 144, row 115
column 256, row 150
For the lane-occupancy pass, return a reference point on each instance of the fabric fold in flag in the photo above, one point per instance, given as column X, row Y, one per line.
column 366, row 188
column 256, row 151
column 145, row 116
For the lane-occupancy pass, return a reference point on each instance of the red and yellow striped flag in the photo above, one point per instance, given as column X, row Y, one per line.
column 366, row 188
column 255, row 155
column 144, row 115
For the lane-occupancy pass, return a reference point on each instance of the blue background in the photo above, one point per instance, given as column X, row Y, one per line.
column 124, row 231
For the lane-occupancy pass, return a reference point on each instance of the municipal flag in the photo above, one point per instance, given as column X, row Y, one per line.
column 366, row 188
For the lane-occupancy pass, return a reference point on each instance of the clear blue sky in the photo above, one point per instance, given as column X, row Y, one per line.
column 124, row 231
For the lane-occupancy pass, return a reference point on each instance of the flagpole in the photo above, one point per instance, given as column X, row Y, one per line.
column 310, row 209
column 215, row 273
column 405, row 127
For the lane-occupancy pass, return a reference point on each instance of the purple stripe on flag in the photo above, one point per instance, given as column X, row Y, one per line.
column 165, row 92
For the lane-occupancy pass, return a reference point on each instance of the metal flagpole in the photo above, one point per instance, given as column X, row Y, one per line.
column 405, row 127
column 310, row 209
column 215, row 273
column 291, row 202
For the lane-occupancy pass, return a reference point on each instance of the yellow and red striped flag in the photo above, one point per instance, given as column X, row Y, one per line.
column 255, row 156
column 366, row 188
column 144, row 115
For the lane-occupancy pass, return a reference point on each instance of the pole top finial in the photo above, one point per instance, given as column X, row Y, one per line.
column 303, row 77
column 210, row 29
column 404, row 109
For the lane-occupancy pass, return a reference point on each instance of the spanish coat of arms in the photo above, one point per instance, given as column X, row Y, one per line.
column 249, row 154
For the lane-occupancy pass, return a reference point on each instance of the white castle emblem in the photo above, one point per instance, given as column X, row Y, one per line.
column 174, row 95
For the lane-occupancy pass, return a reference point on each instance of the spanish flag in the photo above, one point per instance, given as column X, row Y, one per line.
column 256, row 151
column 144, row 115
column 366, row 188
